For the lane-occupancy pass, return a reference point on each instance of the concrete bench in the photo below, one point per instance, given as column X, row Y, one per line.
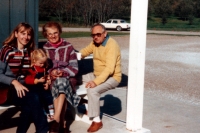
column 81, row 91
column 6, row 107
column 85, row 66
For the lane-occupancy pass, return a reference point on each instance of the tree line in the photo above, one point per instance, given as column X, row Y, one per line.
column 87, row 12
column 84, row 12
column 185, row 10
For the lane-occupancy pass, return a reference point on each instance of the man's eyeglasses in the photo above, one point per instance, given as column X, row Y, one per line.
column 97, row 34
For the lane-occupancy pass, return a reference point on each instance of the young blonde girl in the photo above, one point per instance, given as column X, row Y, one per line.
column 38, row 79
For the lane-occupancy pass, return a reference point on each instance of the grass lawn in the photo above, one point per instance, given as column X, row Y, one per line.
column 173, row 24
column 153, row 23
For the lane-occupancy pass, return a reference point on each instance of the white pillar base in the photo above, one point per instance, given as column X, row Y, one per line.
column 143, row 130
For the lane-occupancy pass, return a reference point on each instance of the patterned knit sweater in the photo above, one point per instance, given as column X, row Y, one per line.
column 18, row 61
column 63, row 57
column 106, row 60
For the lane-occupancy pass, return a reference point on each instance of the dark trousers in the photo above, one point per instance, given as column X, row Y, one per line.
column 46, row 98
column 31, row 111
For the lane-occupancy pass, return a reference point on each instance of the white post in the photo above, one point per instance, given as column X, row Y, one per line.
column 136, row 65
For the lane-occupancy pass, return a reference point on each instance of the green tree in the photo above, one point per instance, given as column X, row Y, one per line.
column 163, row 9
column 197, row 8
column 55, row 8
column 151, row 5
column 185, row 10
column 44, row 10
column 84, row 12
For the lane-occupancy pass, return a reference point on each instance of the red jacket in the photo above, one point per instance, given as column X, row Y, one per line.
column 29, row 79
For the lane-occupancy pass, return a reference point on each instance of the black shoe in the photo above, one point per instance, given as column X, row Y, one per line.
column 54, row 127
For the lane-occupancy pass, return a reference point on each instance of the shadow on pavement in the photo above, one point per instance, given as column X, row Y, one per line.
column 112, row 105
column 7, row 120
column 124, row 81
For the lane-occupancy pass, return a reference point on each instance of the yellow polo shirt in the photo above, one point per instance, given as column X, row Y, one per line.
column 106, row 60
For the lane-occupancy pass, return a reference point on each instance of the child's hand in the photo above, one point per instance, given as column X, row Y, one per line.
column 46, row 86
column 41, row 80
column 48, row 80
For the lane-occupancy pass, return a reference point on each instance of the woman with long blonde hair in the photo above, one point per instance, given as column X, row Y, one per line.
column 14, row 65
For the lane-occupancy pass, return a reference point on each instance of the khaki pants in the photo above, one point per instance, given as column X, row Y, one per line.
column 94, row 94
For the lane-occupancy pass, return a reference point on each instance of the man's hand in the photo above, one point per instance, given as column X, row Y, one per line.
column 90, row 84
column 19, row 88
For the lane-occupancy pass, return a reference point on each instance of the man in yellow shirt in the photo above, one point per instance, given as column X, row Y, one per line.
column 107, row 71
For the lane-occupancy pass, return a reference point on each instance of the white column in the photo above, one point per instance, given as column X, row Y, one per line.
column 136, row 65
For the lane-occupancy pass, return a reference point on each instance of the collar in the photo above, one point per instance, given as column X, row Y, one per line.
column 38, row 69
column 57, row 44
column 105, row 41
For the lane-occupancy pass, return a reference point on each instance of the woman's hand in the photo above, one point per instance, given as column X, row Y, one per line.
column 47, row 83
column 19, row 88
column 56, row 73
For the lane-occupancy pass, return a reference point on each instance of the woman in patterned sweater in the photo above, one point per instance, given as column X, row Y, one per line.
column 65, row 67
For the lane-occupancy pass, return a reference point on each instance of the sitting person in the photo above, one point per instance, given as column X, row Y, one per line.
column 65, row 67
column 14, row 65
column 37, row 79
column 107, row 71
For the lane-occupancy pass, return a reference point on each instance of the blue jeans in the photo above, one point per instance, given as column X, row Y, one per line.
column 31, row 111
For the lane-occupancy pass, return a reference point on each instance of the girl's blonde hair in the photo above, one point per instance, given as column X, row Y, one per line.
column 21, row 27
column 38, row 54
